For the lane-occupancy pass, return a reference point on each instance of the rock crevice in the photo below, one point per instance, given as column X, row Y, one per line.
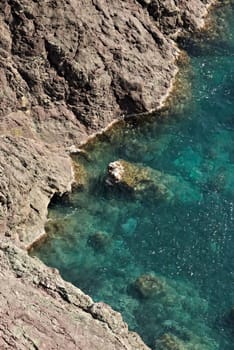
column 55, row 314
column 68, row 69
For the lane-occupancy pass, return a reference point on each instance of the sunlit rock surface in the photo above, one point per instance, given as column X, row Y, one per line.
column 67, row 70
column 147, row 182
column 39, row 310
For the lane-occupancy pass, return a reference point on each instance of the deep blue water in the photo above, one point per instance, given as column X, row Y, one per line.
column 187, row 244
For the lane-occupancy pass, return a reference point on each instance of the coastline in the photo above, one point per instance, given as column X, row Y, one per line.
column 72, row 150
column 28, row 239
column 62, row 177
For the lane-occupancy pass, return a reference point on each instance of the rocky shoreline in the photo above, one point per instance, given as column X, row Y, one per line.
column 68, row 71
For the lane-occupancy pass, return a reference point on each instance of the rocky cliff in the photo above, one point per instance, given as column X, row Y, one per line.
column 41, row 311
column 68, row 69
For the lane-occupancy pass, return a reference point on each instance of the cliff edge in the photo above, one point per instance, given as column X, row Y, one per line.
column 68, row 69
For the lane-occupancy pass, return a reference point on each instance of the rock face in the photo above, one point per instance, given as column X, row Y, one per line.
column 68, row 69
column 44, row 312
column 31, row 172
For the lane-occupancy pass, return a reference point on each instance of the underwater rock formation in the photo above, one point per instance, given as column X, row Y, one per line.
column 138, row 179
column 99, row 241
column 169, row 342
column 154, row 184
column 149, row 286
column 80, row 175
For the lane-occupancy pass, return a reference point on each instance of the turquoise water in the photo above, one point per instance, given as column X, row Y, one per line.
column 167, row 265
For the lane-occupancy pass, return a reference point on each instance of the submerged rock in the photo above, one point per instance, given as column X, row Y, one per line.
column 80, row 175
column 170, row 342
column 68, row 69
column 55, row 227
column 149, row 286
column 145, row 181
column 176, row 329
column 222, row 181
column 99, row 240
column 137, row 179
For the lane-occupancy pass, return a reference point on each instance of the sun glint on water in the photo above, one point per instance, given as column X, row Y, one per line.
column 160, row 247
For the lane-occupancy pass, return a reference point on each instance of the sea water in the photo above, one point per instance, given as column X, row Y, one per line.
column 166, row 265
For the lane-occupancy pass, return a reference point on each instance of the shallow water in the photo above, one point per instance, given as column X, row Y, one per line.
column 186, row 244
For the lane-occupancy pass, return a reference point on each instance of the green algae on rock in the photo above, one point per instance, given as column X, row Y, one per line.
column 149, row 286
column 137, row 179
column 147, row 182
column 170, row 342
column 80, row 175
column 99, row 241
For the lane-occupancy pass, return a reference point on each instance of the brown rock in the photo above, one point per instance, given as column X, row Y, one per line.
column 69, row 68
column 31, row 172
column 146, row 182
column 44, row 312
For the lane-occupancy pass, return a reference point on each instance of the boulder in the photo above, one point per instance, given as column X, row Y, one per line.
column 145, row 182
column 138, row 179
column 149, row 286
column 99, row 240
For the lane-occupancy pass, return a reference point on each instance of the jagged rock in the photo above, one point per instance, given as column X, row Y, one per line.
column 145, row 182
column 176, row 17
column 68, row 69
column 31, row 173
column 40, row 310
column 137, row 179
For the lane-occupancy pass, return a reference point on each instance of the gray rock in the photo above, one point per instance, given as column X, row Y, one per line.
column 40, row 310
column 69, row 69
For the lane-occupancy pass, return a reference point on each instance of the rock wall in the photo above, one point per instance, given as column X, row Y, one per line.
column 44, row 312
column 69, row 68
